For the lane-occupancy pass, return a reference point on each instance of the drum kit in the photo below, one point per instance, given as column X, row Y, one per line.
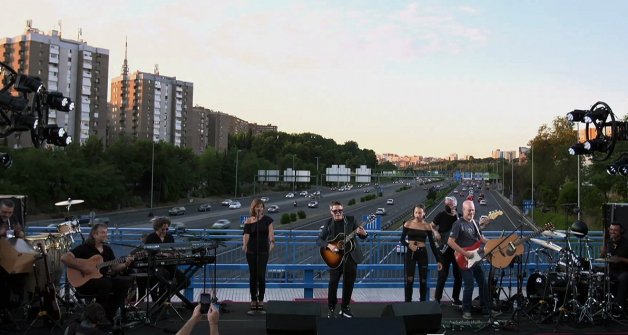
column 573, row 287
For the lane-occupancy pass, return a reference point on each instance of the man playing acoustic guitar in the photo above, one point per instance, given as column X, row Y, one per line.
column 337, row 237
column 465, row 235
column 89, row 277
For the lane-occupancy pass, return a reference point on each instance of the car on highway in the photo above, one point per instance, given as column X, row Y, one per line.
column 226, row 202
column 264, row 199
column 312, row 204
column 235, row 205
column 390, row 201
column 86, row 220
column 273, row 209
column 221, row 224
column 303, row 193
column 380, row 211
column 290, row 195
column 204, row 208
column 482, row 202
column 174, row 211
column 177, row 227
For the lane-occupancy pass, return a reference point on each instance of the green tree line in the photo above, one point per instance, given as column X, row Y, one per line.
column 119, row 176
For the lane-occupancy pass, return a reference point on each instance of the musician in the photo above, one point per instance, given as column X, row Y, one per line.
column 464, row 234
column 617, row 249
column 110, row 290
column 413, row 236
column 258, row 240
column 166, row 273
column 9, row 224
column 341, row 224
column 444, row 222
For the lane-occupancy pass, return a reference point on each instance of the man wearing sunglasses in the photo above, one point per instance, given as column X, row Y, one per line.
column 336, row 229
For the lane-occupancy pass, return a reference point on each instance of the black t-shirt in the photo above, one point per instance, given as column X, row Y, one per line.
column 258, row 235
column 87, row 250
column 153, row 238
column 445, row 222
column 465, row 233
column 618, row 249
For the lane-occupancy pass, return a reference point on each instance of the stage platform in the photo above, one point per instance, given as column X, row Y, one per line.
column 235, row 320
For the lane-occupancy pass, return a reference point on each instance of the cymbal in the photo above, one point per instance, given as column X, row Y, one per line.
column 69, row 202
column 553, row 233
column 545, row 244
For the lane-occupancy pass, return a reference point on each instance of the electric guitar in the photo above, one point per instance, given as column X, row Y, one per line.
column 344, row 244
column 503, row 250
column 77, row 278
column 466, row 263
column 49, row 294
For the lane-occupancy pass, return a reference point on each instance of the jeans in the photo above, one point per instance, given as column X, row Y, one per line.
column 348, row 269
column 411, row 260
column 467, row 295
column 447, row 259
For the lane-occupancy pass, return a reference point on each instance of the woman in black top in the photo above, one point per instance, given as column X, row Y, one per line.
column 258, row 240
column 413, row 236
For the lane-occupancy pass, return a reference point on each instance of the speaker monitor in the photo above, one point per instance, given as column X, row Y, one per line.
column 290, row 316
column 418, row 317
column 344, row 326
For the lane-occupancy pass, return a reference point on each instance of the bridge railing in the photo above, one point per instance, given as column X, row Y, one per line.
column 296, row 263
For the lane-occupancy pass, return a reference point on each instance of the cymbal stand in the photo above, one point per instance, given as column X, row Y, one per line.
column 519, row 301
column 609, row 304
column 571, row 288
column 591, row 303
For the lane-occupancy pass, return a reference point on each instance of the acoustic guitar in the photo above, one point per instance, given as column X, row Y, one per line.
column 344, row 244
column 466, row 263
column 77, row 278
column 503, row 250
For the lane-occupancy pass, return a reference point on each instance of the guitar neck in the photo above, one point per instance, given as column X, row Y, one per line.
column 110, row 263
column 353, row 233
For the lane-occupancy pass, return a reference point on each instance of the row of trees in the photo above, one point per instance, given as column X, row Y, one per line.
column 119, row 175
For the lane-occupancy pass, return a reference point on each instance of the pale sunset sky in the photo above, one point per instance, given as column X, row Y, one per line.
column 407, row 77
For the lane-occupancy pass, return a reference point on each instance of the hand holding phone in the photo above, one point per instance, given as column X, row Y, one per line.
column 206, row 300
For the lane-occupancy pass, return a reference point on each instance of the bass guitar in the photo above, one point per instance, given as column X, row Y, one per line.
column 503, row 250
column 466, row 263
column 77, row 278
column 344, row 244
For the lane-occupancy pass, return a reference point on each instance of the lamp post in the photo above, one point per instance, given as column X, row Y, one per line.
column 152, row 175
column 294, row 174
column 235, row 192
column 317, row 173
column 512, row 182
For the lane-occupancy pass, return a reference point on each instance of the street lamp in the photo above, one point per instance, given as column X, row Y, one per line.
column 317, row 173
column 152, row 178
column 235, row 192
column 294, row 175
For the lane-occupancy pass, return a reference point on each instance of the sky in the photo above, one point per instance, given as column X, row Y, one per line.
column 407, row 77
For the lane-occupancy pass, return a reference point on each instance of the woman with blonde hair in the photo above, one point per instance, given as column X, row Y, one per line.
column 257, row 242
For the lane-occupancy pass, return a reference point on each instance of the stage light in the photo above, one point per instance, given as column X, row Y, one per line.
column 620, row 166
column 576, row 116
column 579, row 229
column 23, row 122
column 5, row 160
column 28, row 84
column 578, row 149
column 598, row 144
column 55, row 135
column 599, row 114
column 57, row 101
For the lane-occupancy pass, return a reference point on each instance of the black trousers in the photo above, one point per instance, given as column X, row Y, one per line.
column 11, row 289
column 412, row 259
column 348, row 269
column 257, row 274
column 447, row 259
column 110, row 292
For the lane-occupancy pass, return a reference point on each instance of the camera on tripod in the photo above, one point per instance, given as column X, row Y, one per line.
column 28, row 107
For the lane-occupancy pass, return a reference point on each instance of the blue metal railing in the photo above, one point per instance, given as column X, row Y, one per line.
column 296, row 263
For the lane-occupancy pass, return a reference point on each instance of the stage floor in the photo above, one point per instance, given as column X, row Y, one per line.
column 234, row 320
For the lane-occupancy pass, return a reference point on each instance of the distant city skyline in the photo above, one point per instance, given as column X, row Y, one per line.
column 426, row 78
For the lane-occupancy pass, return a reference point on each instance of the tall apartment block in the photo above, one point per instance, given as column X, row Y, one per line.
column 77, row 70
column 149, row 106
